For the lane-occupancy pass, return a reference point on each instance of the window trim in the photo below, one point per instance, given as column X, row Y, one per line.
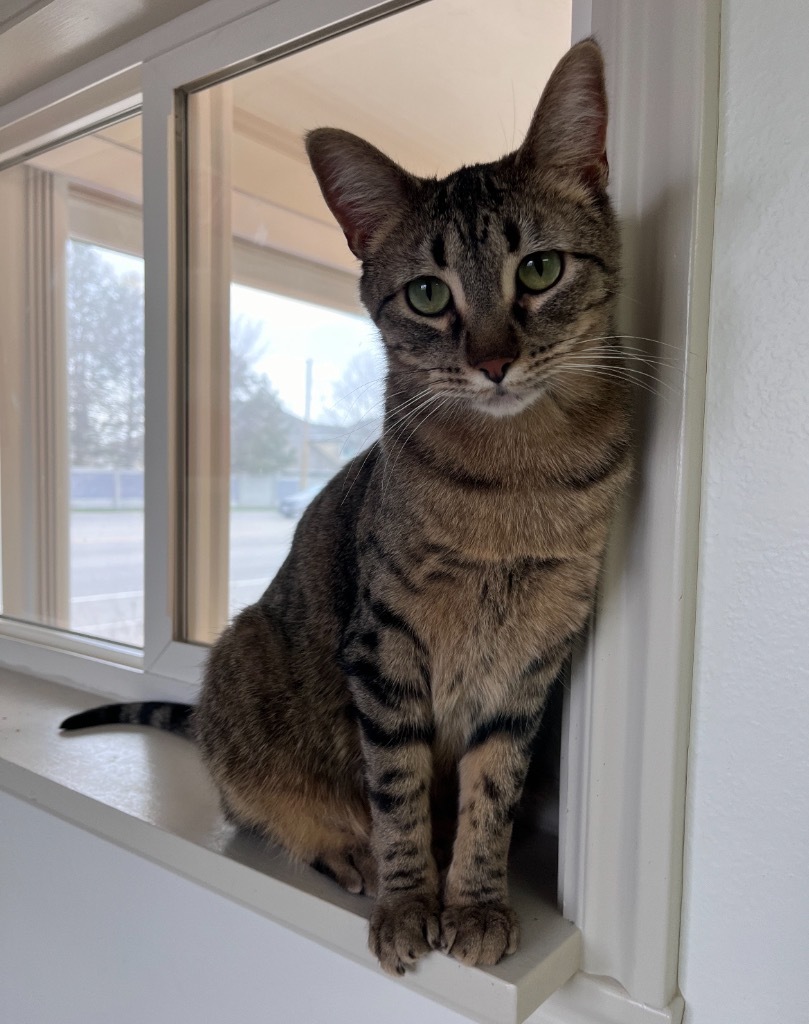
column 629, row 718
column 267, row 269
column 105, row 221
column 665, row 192
column 71, row 116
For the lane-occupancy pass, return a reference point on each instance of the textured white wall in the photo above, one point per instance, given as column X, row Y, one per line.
column 745, row 942
column 92, row 934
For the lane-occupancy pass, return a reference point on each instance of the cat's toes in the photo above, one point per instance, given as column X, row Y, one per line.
column 403, row 930
column 479, row 935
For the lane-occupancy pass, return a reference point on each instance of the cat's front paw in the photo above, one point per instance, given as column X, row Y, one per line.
column 479, row 934
column 403, row 930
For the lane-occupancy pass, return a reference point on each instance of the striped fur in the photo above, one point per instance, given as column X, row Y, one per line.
column 401, row 658
column 165, row 715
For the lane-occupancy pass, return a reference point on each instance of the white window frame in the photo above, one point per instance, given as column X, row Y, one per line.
column 627, row 718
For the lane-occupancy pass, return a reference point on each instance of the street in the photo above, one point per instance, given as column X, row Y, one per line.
column 106, row 556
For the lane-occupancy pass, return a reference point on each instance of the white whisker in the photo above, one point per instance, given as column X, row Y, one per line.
column 397, row 440
column 615, row 374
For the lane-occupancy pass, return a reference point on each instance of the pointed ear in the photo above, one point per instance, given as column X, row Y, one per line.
column 569, row 128
column 364, row 189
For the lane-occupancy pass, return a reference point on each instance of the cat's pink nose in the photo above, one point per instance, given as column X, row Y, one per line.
column 494, row 369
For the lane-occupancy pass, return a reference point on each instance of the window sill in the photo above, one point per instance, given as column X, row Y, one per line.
column 148, row 792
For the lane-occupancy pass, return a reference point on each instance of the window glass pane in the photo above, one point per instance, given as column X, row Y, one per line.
column 284, row 368
column 305, row 396
column 105, row 404
column 71, row 430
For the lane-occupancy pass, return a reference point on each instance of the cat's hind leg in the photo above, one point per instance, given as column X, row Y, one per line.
column 329, row 834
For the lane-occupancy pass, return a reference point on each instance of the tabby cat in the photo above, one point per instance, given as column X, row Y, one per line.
column 434, row 588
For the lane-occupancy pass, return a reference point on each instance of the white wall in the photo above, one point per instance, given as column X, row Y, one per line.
column 92, row 934
column 745, row 941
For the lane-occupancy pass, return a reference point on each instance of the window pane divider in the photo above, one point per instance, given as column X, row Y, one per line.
column 162, row 371
column 207, row 450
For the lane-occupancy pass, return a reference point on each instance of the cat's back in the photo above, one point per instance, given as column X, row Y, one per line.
column 316, row 587
column 274, row 670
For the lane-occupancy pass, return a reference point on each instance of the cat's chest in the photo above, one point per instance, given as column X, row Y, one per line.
column 485, row 596
column 476, row 619
column 482, row 627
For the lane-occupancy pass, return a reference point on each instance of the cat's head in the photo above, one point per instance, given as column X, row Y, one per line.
column 491, row 285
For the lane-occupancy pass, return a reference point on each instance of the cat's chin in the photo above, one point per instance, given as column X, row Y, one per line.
column 502, row 404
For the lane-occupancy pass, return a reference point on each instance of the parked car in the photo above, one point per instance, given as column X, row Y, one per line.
column 293, row 504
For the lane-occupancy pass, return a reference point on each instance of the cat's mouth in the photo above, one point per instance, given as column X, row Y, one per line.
column 502, row 401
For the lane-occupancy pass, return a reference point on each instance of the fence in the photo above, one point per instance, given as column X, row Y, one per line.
column 92, row 488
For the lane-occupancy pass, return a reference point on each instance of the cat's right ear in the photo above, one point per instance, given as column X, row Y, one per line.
column 569, row 128
column 364, row 189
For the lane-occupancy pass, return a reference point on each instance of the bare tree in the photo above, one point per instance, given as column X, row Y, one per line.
column 106, row 374
column 259, row 440
column 105, row 361
column 357, row 397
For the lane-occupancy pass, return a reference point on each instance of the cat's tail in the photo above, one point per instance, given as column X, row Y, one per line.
column 176, row 718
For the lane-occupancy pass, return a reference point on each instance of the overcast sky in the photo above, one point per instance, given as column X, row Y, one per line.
column 293, row 332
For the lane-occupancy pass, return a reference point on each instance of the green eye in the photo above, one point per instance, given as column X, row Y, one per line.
column 428, row 296
column 540, row 270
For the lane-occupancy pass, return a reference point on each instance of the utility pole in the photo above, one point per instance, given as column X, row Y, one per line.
column 304, row 471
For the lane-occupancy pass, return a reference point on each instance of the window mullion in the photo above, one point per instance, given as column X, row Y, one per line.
column 208, row 370
column 161, row 392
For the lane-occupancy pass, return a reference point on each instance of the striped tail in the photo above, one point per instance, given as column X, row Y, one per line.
column 159, row 714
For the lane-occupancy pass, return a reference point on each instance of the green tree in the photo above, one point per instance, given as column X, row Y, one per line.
column 105, row 360
column 259, row 438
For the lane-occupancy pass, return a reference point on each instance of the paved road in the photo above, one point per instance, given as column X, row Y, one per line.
column 107, row 567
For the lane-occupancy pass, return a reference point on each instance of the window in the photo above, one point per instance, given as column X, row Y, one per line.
column 73, row 420
column 305, row 396
column 626, row 715
column 269, row 265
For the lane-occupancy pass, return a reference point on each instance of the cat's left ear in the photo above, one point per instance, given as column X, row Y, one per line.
column 364, row 189
column 569, row 129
